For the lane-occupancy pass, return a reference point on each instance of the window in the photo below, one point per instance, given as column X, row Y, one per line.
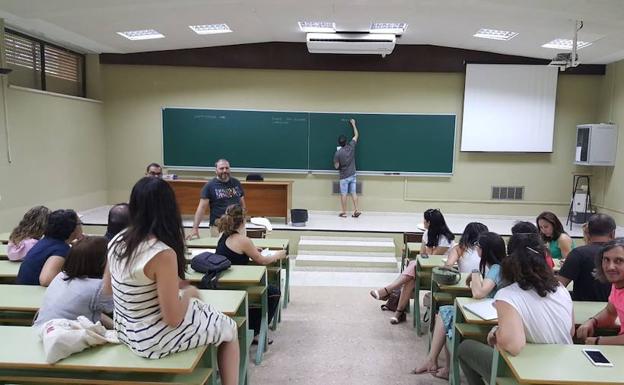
column 44, row 66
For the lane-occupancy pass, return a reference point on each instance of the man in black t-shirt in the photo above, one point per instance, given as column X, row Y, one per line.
column 579, row 266
column 219, row 193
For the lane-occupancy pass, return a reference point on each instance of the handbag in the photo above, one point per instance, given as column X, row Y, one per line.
column 211, row 265
column 444, row 275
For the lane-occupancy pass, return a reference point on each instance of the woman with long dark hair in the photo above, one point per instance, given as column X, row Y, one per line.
column 147, row 266
column 437, row 239
column 534, row 307
column 557, row 240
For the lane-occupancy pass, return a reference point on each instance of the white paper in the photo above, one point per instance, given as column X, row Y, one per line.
column 578, row 154
column 484, row 309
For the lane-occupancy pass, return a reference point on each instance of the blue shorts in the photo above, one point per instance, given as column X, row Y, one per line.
column 347, row 185
column 447, row 313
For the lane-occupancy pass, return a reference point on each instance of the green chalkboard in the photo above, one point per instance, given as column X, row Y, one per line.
column 388, row 143
column 248, row 139
column 304, row 141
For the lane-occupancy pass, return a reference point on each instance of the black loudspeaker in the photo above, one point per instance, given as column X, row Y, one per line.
column 255, row 177
column 299, row 217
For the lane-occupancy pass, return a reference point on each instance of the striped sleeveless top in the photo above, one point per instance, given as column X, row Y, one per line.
column 137, row 316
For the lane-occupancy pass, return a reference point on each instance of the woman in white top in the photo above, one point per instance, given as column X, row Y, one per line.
column 436, row 240
column 147, row 264
column 465, row 254
column 533, row 308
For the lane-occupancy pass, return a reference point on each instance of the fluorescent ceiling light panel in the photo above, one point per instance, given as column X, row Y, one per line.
column 565, row 44
column 207, row 29
column 395, row 28
column 143, row 34
column 317, row 26
column 495, row 34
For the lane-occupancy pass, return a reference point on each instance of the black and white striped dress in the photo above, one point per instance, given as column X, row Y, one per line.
column 137, row 316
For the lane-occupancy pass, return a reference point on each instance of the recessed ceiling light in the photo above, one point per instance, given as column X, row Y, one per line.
column 395, row 28
column 317, row 26
column 143, row 34
column 565, row 44
column 207, row 29
column 495, row 34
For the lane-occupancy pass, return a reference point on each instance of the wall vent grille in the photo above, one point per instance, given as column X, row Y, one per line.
column 510, row 193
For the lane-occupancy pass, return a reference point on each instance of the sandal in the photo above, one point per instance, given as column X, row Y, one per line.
column 432, row 370
column 356, row 214
column 398, row 317
column 342, row 215
column 442, row 373
column 377, row 295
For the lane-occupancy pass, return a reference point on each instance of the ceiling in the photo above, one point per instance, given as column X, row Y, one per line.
column 90, row 26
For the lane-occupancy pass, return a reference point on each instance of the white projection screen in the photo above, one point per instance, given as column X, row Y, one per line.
column 509, row 108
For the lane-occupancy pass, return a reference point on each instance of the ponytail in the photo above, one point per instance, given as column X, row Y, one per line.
column 233, row 218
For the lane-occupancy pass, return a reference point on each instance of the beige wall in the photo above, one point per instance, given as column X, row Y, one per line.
column 58, row 151
column 134, row 96
column 611, row 199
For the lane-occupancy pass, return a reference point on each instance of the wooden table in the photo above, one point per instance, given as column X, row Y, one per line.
column 210, row 243
column 560, row 364
column 8, row 271
column 4, row 252
column 583, row 310
column 263, row 199
column 27, row 299
column 4, row 237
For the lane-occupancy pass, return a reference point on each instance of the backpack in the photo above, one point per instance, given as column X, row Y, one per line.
column 393, row 300
column 211, row 265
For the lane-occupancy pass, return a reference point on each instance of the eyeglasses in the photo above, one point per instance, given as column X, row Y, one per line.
column 476, row 244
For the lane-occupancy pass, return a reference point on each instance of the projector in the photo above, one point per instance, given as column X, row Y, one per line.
column 564, row 61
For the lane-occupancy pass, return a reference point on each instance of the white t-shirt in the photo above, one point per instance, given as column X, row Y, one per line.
column 547, row 320
column 469, row 260
column 442, row 241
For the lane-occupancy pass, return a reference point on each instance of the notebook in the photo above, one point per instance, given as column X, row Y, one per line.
column 484, row 309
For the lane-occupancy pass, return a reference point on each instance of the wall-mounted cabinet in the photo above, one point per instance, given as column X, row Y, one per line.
column 596, row 144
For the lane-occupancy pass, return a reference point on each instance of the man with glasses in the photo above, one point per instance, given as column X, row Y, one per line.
column 219, row 193
column 154, row 170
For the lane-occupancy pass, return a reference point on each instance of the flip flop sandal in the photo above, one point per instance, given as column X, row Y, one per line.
column 342, row 215
column 356, row 214
column 377, row 294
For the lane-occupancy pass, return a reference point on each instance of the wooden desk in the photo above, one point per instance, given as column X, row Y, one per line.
column 8, row 271
column 4, row 237
column 4, row 252
column 562, row 364
column 423, row 281
column 263, row 199
column 264, row 243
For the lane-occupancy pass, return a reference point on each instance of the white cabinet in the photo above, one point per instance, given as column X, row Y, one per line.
column 596, row 144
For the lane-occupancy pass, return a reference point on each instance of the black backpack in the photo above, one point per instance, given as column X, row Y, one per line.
column 211, row 265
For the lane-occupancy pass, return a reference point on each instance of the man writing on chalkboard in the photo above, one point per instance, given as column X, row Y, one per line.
column 219, row 193
column 344, row 162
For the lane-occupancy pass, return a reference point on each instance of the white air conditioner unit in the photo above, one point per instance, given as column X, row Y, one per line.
column 351, row 43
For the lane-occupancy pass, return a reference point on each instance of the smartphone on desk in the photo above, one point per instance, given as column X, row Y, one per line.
column 596, row 357
column 424, row 256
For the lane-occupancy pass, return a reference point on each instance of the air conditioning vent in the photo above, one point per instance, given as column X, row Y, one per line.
column 514, row 193
column 351, row 43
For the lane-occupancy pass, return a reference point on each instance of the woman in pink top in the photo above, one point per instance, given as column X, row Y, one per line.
column 28, row 232
column 609, row 268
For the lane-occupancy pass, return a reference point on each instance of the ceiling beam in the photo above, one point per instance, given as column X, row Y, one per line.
column 295, row 56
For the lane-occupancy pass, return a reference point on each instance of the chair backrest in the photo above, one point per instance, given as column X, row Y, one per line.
column 412, row 237
column 256, row 233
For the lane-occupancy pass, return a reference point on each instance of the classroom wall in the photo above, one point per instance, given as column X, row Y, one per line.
column 611, row 199
column 58, row 148
column 134, row 95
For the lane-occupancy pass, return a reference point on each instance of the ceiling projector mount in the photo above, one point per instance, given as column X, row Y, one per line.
column 567, row 60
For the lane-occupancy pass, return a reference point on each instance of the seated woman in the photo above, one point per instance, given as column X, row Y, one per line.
column 609, row 268
column 27, row 233
column 524, row 227
column 146, row 262
column 483, row 282
column 238, row 248
column 437, row 239
column 533, row 308
column 46, row 258
column 78, row 289
column 557, row 240
column 465, row 254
